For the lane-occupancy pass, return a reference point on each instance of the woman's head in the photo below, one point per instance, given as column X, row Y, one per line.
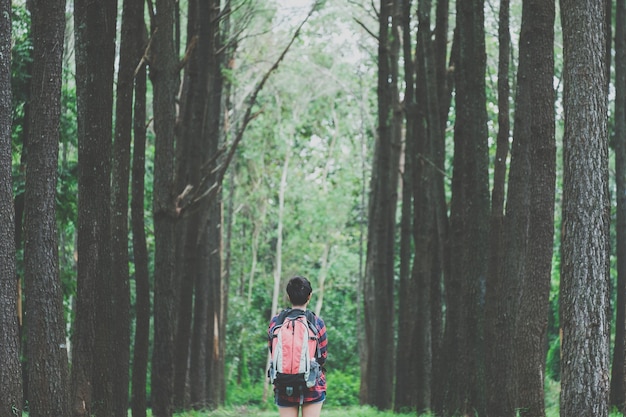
column 299, row 289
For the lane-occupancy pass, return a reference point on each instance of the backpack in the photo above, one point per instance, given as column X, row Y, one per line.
column 294, row 352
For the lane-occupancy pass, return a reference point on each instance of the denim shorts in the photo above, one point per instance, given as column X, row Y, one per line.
column 281, row 402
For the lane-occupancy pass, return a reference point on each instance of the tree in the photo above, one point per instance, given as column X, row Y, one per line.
column 10, row 366
column 94, row 354
column 618, row 371
column 469, row 219
column 130, row 53
column 377, row 374
column 164, row 76
column 584, row 296
column 534, row 125
column 140, row 250
column 406, row 368
column 497, row 369
column 48, row 394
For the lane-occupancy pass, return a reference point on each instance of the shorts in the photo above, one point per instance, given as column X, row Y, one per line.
column 281, row 402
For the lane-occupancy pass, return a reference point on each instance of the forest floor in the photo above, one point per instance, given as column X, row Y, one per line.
column 326, row 412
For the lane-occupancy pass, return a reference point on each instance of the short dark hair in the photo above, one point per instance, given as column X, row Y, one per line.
column 299, row 289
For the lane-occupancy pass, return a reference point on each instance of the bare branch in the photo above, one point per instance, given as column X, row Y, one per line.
column 366, row 29
column 220, row 169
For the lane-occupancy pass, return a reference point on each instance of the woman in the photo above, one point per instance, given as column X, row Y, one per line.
column 309, row 399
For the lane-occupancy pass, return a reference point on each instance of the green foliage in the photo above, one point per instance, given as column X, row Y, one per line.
column 248, row 397
column 343, row 389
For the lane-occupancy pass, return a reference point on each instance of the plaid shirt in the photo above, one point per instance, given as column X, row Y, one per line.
column 316, row 392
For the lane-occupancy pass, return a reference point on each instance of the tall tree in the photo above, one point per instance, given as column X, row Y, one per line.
column 377, row 375
column 584, row 296
column 165, row 82
column 140, row 250
column 94, row 354
column 131, row 40
column 445, row 82
column 48, row 394
column 497, row 365
column 10, row 366
column 405, row 375
column 212, row 269
column 188, row 160
column 534, row 125
column 618, row 371
column 469, row 219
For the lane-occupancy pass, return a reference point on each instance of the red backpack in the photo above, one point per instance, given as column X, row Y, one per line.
column 294, row 351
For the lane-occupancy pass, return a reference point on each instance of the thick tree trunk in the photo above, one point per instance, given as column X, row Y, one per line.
column 47, row 352
column 535, row 87
column 469, row 220
column 618, row 371
column 92, row 362
column 10, row 365
column 164, row 76
column 584, row 297
column 140, row 249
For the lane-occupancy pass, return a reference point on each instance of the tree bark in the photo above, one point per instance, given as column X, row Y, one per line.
column 405, row 376
column 189, row 159
column 10, row 364
column 469, row 220
column 496, row 336
column 377, row 380
column 47, row 352
column 140, row 250
column 535, row 122
column 445, row 82
column 164, row 76
column 130, row 55
column 584, row 296
column 95, row 55
column 618, row 371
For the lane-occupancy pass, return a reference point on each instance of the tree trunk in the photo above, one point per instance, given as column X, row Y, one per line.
column 216, row 317
column 213, row 134
column 130, row 54
column 469, row 220
column 10, row 365
column 445, row 81
column 190, row 156
column 618, row 371
column 140, row 250
column 47, row 352
column 584, row 297
column 95, row 54
column 405, row 376
column 535, row 120
column 377, row 381
column 164, row 76
column 496, row 367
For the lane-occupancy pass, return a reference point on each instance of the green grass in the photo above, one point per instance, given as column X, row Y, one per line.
column 326, row 412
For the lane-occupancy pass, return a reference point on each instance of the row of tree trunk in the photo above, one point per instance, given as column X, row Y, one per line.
column 186, row 226
column 488, row 259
